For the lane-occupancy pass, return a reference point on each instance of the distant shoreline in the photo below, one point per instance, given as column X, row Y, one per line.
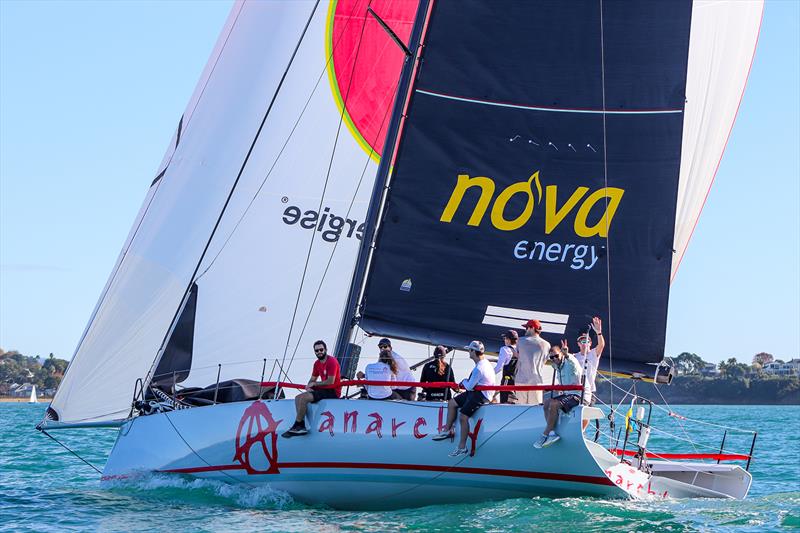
column 11, row 399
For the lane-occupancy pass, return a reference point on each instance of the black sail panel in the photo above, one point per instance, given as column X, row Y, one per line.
column 516, row 196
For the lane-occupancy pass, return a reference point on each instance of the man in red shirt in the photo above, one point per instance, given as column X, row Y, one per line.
column 325, row 372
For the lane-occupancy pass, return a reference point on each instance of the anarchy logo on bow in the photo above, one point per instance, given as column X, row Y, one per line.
column 259, row 441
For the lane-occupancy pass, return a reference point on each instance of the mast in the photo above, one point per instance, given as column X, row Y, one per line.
column 350, row 314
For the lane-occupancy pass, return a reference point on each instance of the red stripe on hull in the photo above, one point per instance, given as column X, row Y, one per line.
column 595, row 480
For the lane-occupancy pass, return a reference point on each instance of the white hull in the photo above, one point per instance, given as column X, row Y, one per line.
column 363, row 454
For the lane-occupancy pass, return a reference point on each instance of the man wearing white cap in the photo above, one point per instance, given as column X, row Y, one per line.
column 471, row 400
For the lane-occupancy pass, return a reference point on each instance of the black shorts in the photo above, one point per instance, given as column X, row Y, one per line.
column 567, row 401
column 508, row 396
column 406, row 394
column 470, row 401
column 323, row 394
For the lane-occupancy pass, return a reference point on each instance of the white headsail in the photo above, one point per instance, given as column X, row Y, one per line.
column 272, row 278
column 721, row 49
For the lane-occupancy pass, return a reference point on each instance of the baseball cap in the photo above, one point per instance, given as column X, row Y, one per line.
column 510, row 334
column 476, row 346
column 385, row 341
column 439, row 351
column 535, row 324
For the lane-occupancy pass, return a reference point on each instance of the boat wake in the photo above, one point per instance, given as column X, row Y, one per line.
column 188, row 490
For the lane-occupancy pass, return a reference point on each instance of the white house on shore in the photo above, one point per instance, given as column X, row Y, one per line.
column 779, row 368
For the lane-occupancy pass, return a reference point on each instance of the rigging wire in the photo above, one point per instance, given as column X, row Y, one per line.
column 71, row 451
column 605, row 181
column 324, row 190
column 336, row 244
column 283, row 147
column 236, row 480
column 678, row 420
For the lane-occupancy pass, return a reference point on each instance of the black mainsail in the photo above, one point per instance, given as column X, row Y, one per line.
column 537, row 177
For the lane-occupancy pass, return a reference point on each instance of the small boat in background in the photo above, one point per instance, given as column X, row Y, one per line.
column 33, row 398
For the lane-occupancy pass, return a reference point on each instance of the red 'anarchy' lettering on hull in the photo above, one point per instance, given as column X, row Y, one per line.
column 574, row 478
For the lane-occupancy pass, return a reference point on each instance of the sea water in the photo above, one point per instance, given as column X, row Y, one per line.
column 45, row 488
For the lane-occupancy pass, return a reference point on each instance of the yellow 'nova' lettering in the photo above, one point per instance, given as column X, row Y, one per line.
column 553, row 215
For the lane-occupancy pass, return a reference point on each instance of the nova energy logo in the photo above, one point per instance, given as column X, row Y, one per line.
column 575, row 209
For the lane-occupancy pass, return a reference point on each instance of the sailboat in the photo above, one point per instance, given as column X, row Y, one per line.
column 430, row 171
column 33, row 398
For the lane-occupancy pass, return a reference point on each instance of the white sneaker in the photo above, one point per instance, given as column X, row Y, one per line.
column 458, row 452
column 550, row 440
column 443, row 435
column 539, row 443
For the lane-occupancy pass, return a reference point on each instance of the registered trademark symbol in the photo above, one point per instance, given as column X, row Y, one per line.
column 285, row 199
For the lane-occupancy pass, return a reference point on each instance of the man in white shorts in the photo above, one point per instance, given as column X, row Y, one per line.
column 531, row 355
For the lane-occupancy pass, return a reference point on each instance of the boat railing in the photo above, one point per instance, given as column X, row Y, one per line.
column 637, row 429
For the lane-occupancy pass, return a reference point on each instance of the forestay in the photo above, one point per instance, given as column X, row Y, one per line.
column 274, row 276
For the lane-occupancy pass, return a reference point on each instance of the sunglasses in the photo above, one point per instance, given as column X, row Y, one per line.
column 384, row 346
column 583, row 341
column 319, row 350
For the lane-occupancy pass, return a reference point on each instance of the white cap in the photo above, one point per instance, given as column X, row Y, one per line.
column 476, row 346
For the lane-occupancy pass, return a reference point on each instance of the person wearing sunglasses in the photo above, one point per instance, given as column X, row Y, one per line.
column 589, row 358
column 325, row 372
column 567, row 372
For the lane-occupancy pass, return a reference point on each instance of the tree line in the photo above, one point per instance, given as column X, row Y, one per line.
column 691, row 364
column 19, row 369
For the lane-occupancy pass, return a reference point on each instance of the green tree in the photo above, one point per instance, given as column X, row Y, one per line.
column 733, row 369
column 689, row 363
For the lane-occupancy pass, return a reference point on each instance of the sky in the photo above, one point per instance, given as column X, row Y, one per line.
column 91, row 92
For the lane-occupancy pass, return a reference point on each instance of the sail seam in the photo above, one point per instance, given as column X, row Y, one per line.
column 554, row 109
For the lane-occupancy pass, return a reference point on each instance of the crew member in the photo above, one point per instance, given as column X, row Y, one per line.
column 471, row 400
column 406, row 392
column 437, row 371
column 568, row 372
column 325, row 372
column 531, row 353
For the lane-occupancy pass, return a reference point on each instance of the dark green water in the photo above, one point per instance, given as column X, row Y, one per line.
column 44, row 488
